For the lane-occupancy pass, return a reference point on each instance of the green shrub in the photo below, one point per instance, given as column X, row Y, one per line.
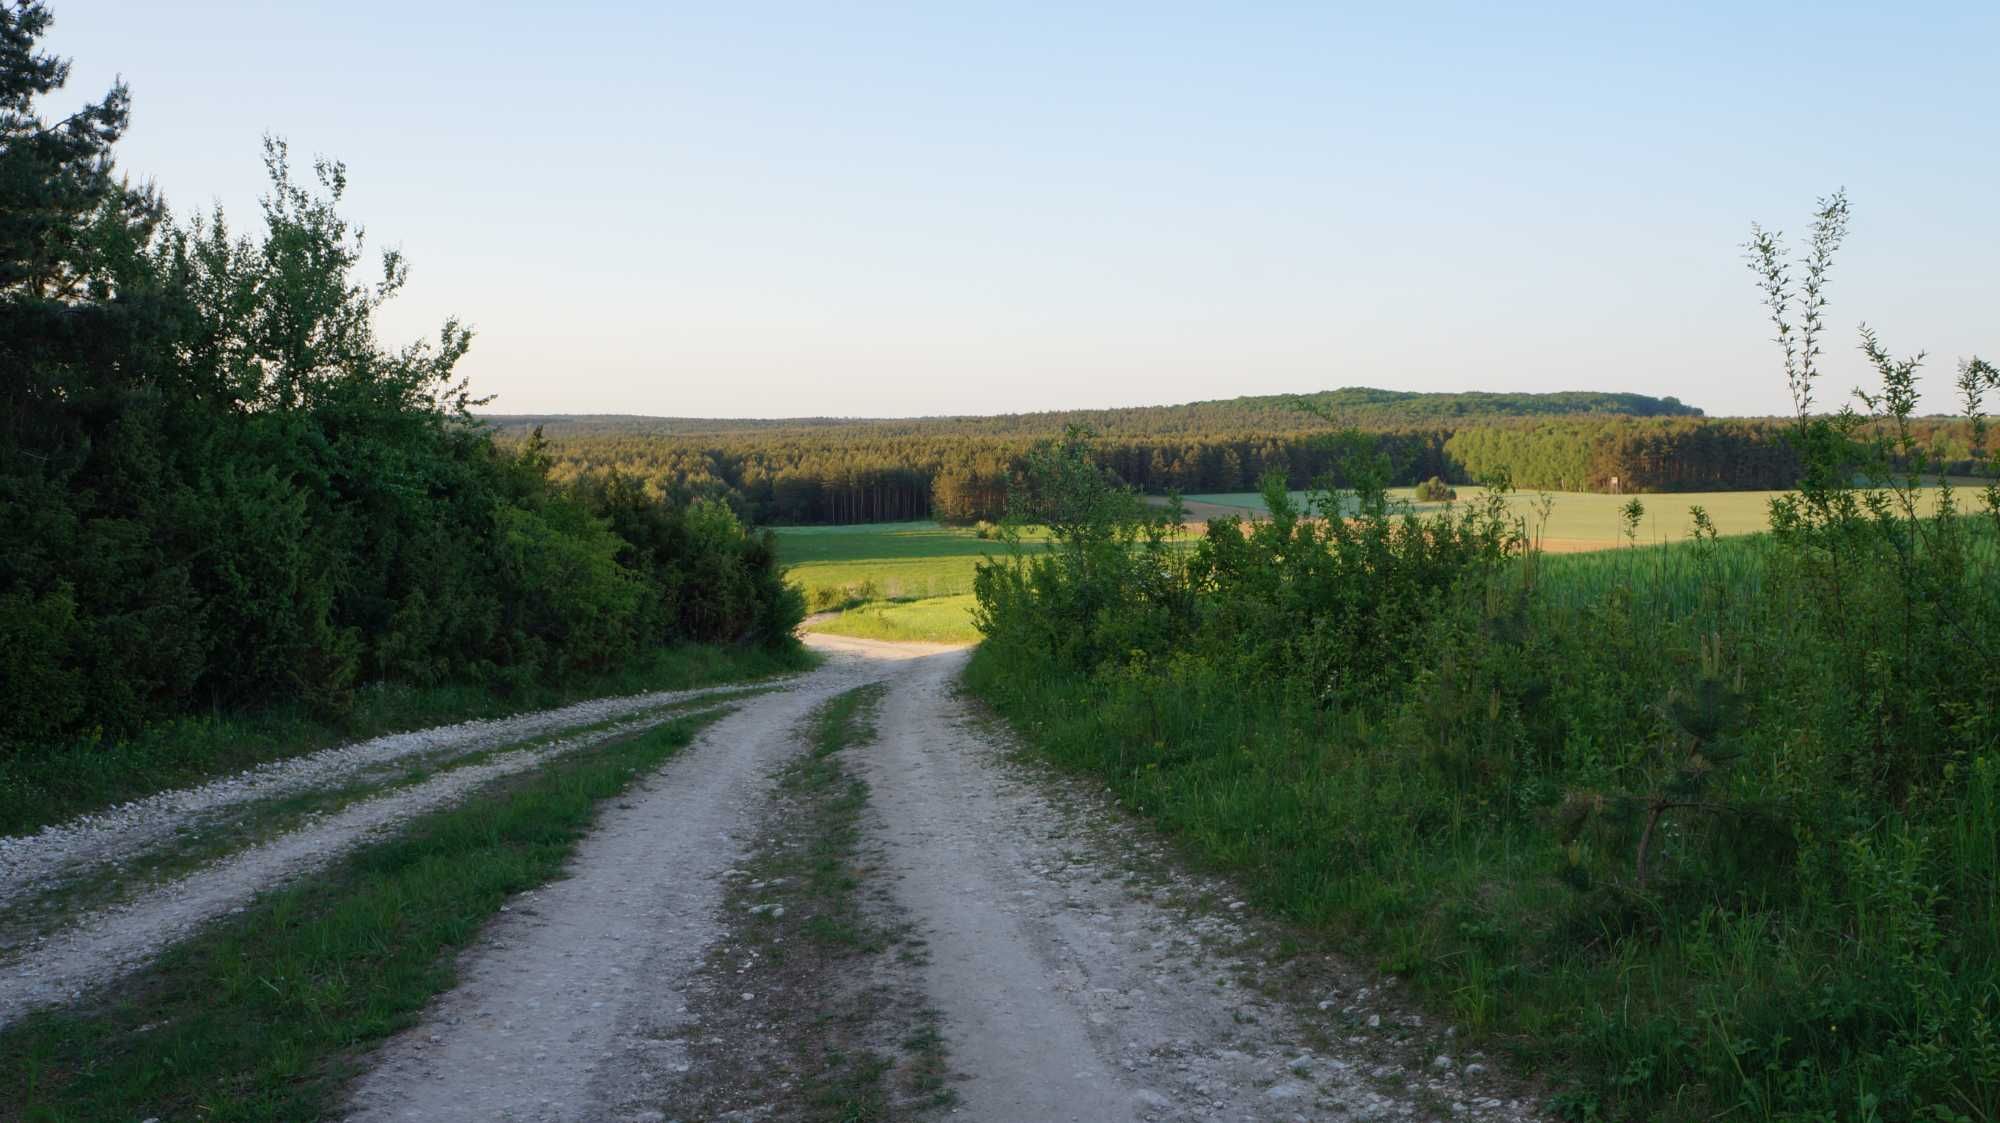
column 1435, row 490
column 1708, row 830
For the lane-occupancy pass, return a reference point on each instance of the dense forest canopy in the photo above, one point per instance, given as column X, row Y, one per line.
column 846, row 470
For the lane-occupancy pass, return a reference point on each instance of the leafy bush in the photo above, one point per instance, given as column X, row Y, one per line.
column 222, row 490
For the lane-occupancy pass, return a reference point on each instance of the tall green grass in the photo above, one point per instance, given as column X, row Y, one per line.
column 1810, row 944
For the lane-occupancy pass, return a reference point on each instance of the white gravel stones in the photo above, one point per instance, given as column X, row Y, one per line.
column 28, row 862
column 1078, row 972
column 1069, row 983
column 597, row 974
column 96, row 947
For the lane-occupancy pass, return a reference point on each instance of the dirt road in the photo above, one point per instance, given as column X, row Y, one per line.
column 1067, row 968
column 1076, row 973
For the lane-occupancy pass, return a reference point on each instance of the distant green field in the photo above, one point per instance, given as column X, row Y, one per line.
column 936, row 620
column 1581, row 518
column 883, row 561
column 809, row 545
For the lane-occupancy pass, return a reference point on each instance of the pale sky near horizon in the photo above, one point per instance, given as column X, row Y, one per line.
column 889, row 210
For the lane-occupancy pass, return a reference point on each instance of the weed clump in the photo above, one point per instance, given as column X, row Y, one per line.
column 1435, row 490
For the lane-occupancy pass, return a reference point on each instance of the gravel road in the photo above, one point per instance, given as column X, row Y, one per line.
column 73, row 848
column 1082, row 976
column 1075, row 971
column 576, row 991
column 94, row 948
column 1078, row 975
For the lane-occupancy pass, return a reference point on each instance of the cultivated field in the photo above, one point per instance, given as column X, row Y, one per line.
column 930, row 620
column 883, row 561
column 1577, row 521
column 895, row 581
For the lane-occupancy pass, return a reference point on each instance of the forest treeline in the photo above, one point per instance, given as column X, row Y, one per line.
column 832, row 470
column 1354, row 406
column 960, row 468
column 221, row 489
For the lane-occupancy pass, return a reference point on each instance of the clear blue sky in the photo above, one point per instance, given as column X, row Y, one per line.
column 774, row 210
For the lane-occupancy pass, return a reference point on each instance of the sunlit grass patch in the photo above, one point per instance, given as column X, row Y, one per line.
column 847, row 566
column 935, row 620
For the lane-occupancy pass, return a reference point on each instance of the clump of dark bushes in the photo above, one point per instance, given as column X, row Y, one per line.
column 220, row 488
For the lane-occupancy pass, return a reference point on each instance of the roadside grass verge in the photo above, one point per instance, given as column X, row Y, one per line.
column 1786, row 945
column 815, row 935
column 265, row 1016
column 937, row 620
column 43, row 785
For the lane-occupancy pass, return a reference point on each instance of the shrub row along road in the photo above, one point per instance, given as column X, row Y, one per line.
column 1070, row 970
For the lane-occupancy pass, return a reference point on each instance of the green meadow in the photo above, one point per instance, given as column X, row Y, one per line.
column 931, row 620
column 896, row 581
column 841, row 566
column 1699, row 830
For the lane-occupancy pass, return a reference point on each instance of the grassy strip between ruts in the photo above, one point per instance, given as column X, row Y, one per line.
column 50, row 785
column 822, row 936
column 262, row 1017
column 847, row 1080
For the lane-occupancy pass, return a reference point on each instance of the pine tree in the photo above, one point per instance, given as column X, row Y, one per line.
column 65, row 214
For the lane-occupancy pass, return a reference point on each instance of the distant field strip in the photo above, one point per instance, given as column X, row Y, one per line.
column 1575, row 517
column 935, row 620
column 884, row 561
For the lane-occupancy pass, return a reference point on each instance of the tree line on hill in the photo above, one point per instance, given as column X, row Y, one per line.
column 222, row 489
column 960, row 469
column 1355, row 406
